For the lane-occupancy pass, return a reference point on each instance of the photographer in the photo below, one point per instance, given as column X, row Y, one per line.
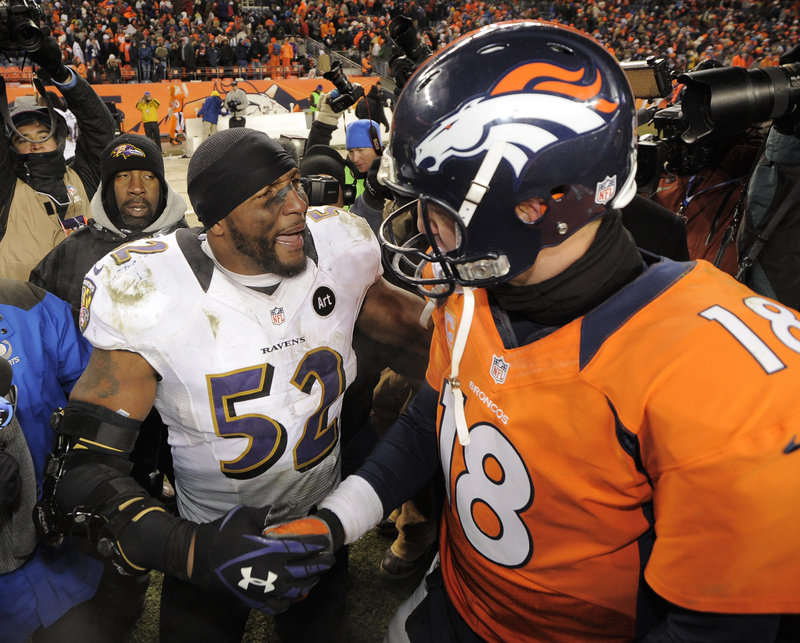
column 769, row 261
column 236, row 103
column 42, row 198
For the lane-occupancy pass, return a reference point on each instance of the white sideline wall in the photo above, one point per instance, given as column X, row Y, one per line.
column 292, row 124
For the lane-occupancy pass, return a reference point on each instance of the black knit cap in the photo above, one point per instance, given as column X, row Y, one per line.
column 124, row 153
column 130, row 152
column 231, row 166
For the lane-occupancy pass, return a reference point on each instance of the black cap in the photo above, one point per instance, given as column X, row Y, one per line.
column 231, row 166
column 130, row 152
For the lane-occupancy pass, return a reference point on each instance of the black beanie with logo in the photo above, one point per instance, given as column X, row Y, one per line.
column 125, row 153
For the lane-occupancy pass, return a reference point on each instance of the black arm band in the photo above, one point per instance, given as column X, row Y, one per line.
column 334, row 524
column 157, row 540
column 97, row 427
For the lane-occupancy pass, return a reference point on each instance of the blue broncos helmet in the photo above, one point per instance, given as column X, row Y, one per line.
column 509, row 112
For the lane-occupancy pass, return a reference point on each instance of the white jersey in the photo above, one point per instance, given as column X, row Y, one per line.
column 250, row 383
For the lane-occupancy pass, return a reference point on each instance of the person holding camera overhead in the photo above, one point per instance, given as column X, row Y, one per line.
column 43, row 199
column 326, row 120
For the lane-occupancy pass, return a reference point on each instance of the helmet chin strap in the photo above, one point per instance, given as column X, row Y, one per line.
column 459, row 345
column 480, row 184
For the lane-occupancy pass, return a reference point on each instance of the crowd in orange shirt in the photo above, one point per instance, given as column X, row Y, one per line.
column 192, row 34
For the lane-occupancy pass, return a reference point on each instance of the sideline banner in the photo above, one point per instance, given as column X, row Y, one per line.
column 265, row 96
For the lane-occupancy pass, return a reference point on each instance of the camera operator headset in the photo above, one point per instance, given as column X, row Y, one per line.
column 41, row 198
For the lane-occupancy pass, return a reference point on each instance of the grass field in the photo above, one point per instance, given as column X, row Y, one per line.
column 371, row 600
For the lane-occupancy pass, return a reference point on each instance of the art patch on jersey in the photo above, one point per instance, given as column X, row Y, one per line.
column 277, row 315
column 605, row 190
column 552, row 98
column 499, row 369
column 87, row 294
column 324, row 301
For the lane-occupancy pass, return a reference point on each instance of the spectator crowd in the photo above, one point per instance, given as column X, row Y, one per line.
column 151, row 40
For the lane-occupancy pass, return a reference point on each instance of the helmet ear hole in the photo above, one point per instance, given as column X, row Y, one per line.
column 531, row 210
column 558, row 193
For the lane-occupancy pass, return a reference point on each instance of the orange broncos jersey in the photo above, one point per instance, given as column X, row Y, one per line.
column 672, row 406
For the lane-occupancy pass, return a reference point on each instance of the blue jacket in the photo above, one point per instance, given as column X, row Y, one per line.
column 47, row 353
column 211, row 109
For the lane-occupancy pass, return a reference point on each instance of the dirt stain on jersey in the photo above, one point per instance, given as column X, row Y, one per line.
column 213, row 321
column 130, row 289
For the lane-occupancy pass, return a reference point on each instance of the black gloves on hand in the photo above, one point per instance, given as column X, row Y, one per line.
column 789, row 125
column 9, row 481
column 375, row 193
column 264, row 573
column 48, row 58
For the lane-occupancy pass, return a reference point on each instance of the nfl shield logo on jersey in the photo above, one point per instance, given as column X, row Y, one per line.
column 499, row 369
column 277, row 316
column 606, row 190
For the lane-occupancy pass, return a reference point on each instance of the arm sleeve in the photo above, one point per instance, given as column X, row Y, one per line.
column 96, row 126
column 706, row 627
column 7, row 179
column 73, row 349
column 407, row 456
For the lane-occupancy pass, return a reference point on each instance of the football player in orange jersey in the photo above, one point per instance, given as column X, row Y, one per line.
column 618, row 432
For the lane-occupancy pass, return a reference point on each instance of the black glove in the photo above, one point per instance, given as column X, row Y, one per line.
column 48, row 58
column 9, row 481
column 268, row 574
column 375, row 193
column 789, row 125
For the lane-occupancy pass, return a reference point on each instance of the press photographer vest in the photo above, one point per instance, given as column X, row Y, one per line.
column 30, row 227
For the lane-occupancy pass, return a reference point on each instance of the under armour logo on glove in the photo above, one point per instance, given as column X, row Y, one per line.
column 267, row 574
column 247, row 580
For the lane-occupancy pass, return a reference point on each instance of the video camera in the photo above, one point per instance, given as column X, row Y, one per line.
column 404, row 35
column 324, row 190
column 349, row 92
column 719, row 101
column 19, row 25
column 715, row 104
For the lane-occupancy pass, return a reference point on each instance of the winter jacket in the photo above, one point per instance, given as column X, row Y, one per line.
column 23, row 210
column 211, row 109
column 62, row 271
column 48, row 354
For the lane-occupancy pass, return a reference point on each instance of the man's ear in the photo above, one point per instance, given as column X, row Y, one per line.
column 219, row 229
column 530, row 210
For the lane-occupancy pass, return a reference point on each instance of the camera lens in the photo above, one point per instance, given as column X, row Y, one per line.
column 27, row 35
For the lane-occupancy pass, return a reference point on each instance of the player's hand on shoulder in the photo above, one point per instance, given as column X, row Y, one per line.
column 266, row 572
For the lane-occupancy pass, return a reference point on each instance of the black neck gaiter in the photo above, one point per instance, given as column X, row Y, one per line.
column 610, row 262
column 44, row 172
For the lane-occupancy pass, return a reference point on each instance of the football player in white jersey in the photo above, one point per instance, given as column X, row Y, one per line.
column 240, row 334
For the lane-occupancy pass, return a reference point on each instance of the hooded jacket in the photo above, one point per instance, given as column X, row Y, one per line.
column 61, row 272
column 24, row 211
